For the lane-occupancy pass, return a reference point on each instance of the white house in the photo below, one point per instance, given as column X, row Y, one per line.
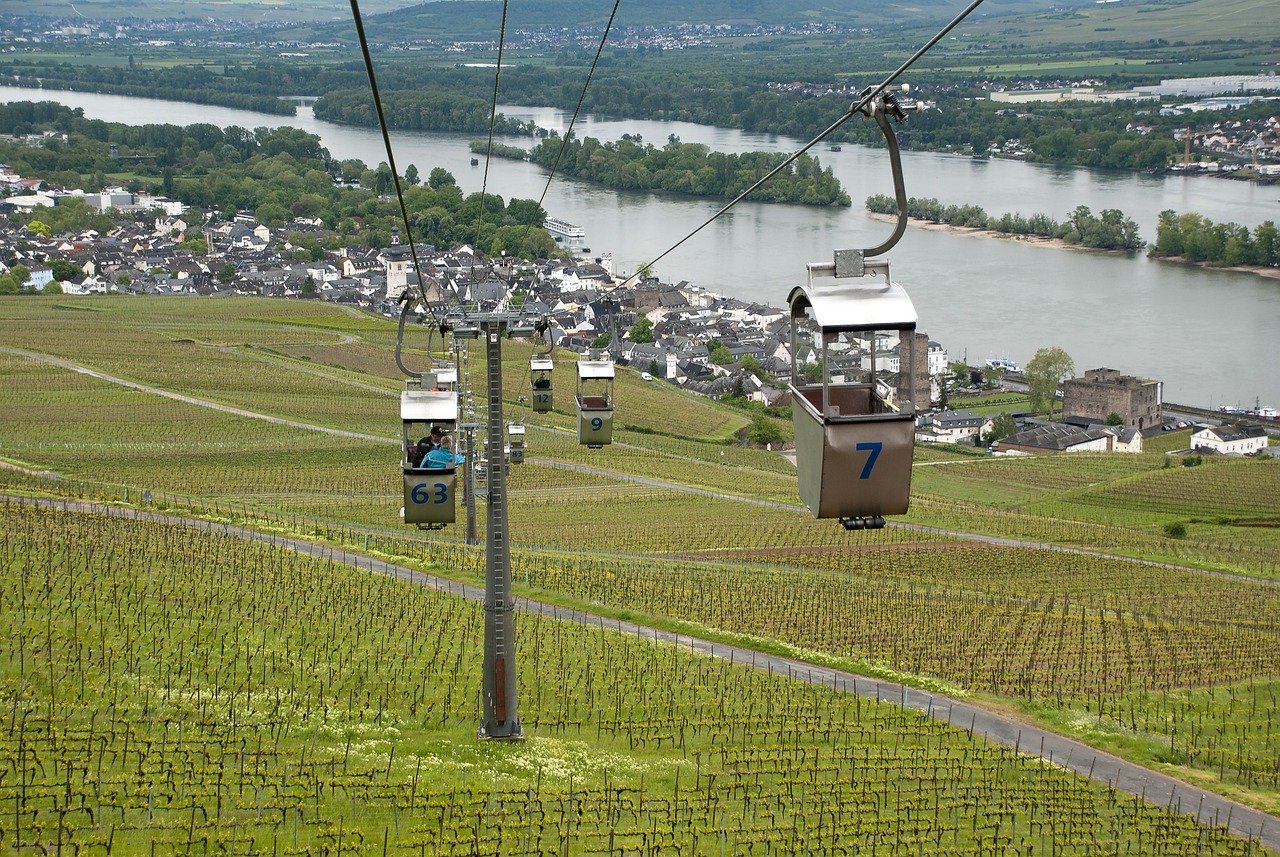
column 938, row 362
column 40, row 277
column 952, row 427
column 1230, row 440
column 1126, row 439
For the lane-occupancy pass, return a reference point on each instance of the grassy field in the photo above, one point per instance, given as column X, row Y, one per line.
column 1168, row 665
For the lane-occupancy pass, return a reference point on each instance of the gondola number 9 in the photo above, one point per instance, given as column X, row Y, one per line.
column 437, row 493
column 596, row 424
column 873, row 448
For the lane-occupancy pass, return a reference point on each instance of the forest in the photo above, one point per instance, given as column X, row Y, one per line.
column 692, row 168
column 418, row 110
column 1196, row 238
column 1110, row 230
column 277, row 173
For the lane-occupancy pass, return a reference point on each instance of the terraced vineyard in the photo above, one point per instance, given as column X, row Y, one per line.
column 176, row 691
column 1172, row 666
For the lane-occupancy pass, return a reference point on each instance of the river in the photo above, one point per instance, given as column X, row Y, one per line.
column 1212, row 337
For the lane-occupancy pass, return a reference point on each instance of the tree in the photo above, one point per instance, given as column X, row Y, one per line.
column 40, row 228
column 1002, row 426
column 227, row 273
column 764, row 431
column 195, row 243
column 810, row 373
column 642, row 330
column 602, row 341
column 1114, row 419
column 1044, row 372
column 720, row 355
column 64, row 270
column 53, row 287
column 440, row 177
column 411, row 175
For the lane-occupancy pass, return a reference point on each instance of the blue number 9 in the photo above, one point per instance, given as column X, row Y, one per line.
column 596, row 424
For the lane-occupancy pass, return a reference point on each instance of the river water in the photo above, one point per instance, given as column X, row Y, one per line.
column 1213, row 337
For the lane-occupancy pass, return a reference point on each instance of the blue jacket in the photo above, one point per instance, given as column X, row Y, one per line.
column 441, row 459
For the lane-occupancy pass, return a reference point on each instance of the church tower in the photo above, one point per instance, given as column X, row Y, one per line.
column 396, row 259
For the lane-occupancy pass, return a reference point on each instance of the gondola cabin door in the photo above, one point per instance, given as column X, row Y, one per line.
column 429, row 418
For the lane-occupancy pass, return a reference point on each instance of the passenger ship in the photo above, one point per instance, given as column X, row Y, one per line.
column 564, row 231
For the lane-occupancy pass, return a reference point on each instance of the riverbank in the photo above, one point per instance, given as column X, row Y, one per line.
column 979, row 232
column 1260, row 270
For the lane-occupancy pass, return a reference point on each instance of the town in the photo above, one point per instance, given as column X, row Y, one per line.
column 705, row 343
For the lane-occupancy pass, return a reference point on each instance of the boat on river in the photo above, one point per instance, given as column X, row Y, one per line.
column 564, row 231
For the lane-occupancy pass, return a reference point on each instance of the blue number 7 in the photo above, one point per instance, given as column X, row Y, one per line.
column 874, row 449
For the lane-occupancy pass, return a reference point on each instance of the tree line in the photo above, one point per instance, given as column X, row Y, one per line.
column 419, row 111
column 1196, row 238
column 192, row 83
column 1110, row 230
column 692, row 168
column 667, row 88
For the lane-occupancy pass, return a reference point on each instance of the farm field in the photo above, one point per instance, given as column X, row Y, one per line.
column 670, row 524
column 177, row 691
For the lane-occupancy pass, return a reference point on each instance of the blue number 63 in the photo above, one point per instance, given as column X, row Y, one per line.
column 437, row 493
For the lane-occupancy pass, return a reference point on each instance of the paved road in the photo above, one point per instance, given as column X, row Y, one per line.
column 1155, row 788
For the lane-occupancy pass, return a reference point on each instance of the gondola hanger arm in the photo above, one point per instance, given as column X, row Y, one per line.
column 854, row 263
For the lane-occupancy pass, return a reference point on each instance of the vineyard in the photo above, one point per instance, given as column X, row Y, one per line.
column 174, row 691
column 673, row 523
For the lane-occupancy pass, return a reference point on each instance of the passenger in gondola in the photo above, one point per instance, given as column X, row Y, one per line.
column 543, row 383
column 417, row 452
column 442, row 457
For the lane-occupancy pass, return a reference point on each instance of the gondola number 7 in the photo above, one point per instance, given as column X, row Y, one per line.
column 874, row 448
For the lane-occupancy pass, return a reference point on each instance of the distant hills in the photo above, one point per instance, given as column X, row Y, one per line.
column 467, row 18
column 1030, row 22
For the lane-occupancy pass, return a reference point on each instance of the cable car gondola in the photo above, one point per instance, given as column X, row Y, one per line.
column 515, row 443
column 429, row 418
column 595, row 400
column 540, row 383
column 855, row 430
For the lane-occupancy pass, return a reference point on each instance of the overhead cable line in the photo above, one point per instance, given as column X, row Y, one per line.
column 493, row 114
column 395, row 174
column 865, row 98
column 582, row 97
